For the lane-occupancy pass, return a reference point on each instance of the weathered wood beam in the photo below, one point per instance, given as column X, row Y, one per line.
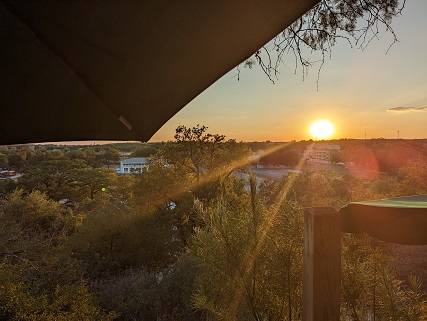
column 322, row 264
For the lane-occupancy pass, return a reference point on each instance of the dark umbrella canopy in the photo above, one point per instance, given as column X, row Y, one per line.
column 118, row 70
column 401, row 220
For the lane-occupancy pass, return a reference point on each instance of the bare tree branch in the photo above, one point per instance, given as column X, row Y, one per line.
column 357, row 22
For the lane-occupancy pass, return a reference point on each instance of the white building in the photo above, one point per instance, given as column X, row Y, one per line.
column 132, row 165
column 321, row 153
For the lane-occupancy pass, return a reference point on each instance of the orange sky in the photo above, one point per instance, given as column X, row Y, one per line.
column 356, row 88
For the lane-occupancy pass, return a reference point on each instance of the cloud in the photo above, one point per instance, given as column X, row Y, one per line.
column 407, row 109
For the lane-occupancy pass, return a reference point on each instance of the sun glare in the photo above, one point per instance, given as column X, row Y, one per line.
column 321, row 129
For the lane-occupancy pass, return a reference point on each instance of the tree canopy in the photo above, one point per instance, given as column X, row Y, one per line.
column 195, row 235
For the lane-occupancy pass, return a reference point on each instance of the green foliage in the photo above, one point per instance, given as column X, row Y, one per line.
column 164, row 189
column 67, row 179
column 55, row 177
column 380, row 155
column 414, row 300
column 114, row 238
column 91, row 181
column 144, row 295
column 6, row 187
column 316, row 188
column 186, row 239
column 66, row 302
column 3, row 161
column 370, row 287
column 415, row 177
column 92, row 157
column 17, row 160
column 177, row 288
column 76, row 154
column 250, row 259
column 31, row 223
column 385, row 186
column 123, row 189
column 111, row 156
column 144, row 151
column 37, row 282
column 190, row 168
column 284, row 154
column 364, row 271
column 133, row 294
column 197, row 152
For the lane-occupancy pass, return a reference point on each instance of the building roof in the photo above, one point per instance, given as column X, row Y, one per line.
column 134, row 160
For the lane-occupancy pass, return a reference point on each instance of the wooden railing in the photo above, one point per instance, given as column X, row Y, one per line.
column 399, row 220
column 322, row 264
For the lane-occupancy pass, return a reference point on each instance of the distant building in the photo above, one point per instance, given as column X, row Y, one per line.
column 321, row 153
column 132, row 165
column 124, row 155
column 255, row 157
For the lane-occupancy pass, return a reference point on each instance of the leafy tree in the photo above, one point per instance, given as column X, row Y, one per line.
column 250, row 260
column 30, row 223
column 92, row 181
column 335, row 157
column 17, row 160
column 67, row 302
column 288, row 155
column 177, row 288
column 147, row 295
column 193, row 150
column 111, row 156
column 114, row 238
column 385, row 186
column 189, row 168
column 35, row 276
column 317, row 188
column 55, row 177
column 166, row 190
column 392, row 156
column 40, row 156
column 76, row 154
column 415, row 300
column 124, row 188
column 415, row 177
column 364, row 269
column 71, row 179
column 3, row 161
column 360, row 156
column 370, row 287
column 6, row 187
column 197, row 152
column 171, row 191
column 144, row 151
column 134, row 294
column 93, row 157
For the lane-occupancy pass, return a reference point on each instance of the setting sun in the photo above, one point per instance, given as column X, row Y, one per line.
column 321, row 129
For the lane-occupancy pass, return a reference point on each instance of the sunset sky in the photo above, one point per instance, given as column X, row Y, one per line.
column 356, row 89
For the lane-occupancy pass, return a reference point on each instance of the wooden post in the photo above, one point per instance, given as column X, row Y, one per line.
column 322, row 264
